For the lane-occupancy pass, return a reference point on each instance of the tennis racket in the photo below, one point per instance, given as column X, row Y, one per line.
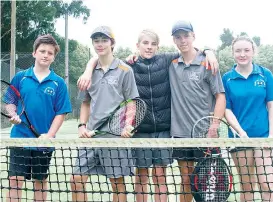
column 212, row 178
column 10, row 100
column 129, row 114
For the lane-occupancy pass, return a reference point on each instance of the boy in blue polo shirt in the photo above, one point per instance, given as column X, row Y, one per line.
column 249, row 110
column 46, row 102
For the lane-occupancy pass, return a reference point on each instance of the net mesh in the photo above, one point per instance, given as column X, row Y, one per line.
column 108, row 154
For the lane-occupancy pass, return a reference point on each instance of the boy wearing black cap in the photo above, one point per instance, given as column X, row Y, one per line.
column 113, row 83
column 195, row 93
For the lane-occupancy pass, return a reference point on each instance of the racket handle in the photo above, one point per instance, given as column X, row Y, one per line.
column 32, row 130
column 35, row 132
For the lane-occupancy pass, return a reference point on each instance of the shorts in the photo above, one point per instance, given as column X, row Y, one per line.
column 188, row 154
column 29, row 163
column 111, row 162
column 146, row 157
column 237, row 149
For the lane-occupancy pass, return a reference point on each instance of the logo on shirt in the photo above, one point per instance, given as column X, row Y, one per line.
column 259, row 83
column 194, row 76
column 49, row 91
column 112, row 80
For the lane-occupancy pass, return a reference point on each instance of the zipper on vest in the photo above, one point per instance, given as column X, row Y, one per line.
column 152, row 97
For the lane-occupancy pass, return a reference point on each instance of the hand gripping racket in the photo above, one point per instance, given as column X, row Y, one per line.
column 12, row 104
column 129, row 114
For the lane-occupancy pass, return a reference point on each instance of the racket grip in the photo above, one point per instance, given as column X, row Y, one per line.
column 34, row 132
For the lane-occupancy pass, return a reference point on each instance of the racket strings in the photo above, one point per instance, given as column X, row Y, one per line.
column 130, row 114
column 210, row 127
column 9, row 100
column 213, row 180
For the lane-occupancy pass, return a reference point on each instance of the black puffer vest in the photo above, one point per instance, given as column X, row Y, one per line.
column 152, row 79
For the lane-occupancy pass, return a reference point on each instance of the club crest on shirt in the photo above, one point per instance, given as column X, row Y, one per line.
column 259, row 83
column 194, row 76
column 112, row 80
column 49, row 91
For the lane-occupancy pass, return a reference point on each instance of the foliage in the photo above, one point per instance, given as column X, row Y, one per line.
column 226, row 38
column 122, row 53
column 166, row 49
column 263, row 58
column 225, row 59
column 257, row 40
column 34, row 18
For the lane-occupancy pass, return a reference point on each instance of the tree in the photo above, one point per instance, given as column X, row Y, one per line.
column 34, row 18
column 122, row 53
column 225, row 59
column 166, row 49
column 265, row 56
column 243, row 34
column 226, row 38
column 257, row 40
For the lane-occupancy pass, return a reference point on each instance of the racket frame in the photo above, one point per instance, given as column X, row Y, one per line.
column 28, row 124
column 109, row 118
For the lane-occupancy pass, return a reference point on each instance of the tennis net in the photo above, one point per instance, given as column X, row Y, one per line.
column 116, row 157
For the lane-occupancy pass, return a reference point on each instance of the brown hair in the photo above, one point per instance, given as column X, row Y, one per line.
column 46, row 39
column 244, row 38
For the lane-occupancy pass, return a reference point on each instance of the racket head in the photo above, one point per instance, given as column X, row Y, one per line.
column 10, row 100
column 131, row 112
column 211, row 180
column 210, row 127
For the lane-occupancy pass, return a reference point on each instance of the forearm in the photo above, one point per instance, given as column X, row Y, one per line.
column 270, row 117
column 232, row 120
column 92, row 63
column 220, row 105
column 85, row 112
column 56, row 124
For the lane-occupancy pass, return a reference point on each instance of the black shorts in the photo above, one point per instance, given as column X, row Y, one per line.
column 187, row 154
column 29, row 163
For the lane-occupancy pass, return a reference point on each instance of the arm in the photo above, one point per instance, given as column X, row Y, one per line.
column 129, row 92
column 232, row 120
column 211, row 61
column 270, row 118
column 84, row 82
column 55, row 126
column 220, row 105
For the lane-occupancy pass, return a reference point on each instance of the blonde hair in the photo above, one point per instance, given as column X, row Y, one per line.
column 245, row 38
column 148, row 32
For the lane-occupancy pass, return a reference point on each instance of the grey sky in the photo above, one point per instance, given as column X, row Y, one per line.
column 127, row 18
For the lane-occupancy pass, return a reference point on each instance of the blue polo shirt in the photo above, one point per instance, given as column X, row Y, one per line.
column 43, row 101
column 247, row 99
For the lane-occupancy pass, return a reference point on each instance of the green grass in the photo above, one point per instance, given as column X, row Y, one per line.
column 60, row 175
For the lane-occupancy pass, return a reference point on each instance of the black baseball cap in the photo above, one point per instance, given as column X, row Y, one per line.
column 182, row 25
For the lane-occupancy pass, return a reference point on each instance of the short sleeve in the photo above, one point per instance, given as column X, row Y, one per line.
column 129, row 85
column 215, row 82
column 269, row 85
column 62, row 104
column 227, row 93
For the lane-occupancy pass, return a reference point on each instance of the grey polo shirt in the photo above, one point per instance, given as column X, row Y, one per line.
column 107, row 91
column 193, row 94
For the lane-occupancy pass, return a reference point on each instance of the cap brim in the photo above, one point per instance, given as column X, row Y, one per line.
column 184, row 29
column 95, row 33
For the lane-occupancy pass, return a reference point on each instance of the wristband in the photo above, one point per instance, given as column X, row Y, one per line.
column 81, row 124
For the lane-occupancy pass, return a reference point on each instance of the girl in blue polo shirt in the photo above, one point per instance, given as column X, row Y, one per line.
column 249, row 110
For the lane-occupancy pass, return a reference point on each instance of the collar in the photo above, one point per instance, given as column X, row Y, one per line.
column 235, row 74
column 146, row 61
column 196, row 61
column 30, row 73
column 113, row 65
